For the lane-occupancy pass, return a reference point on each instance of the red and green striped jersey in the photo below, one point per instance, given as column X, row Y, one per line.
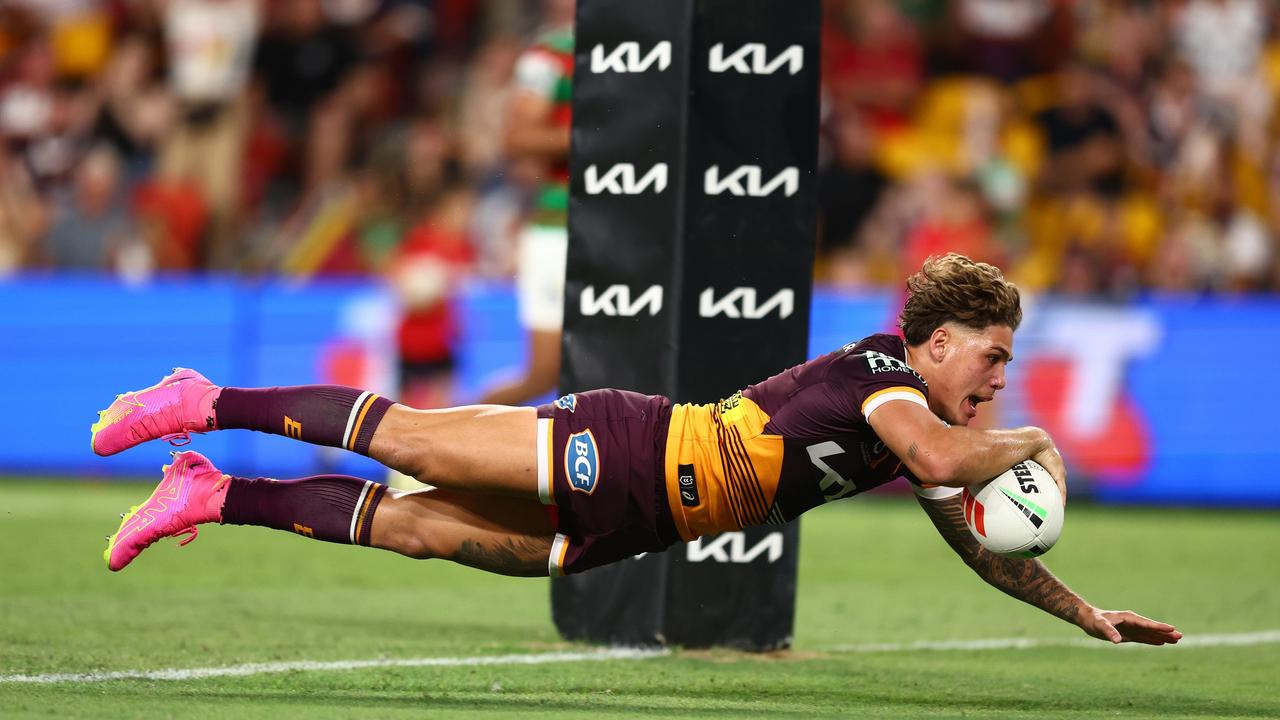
column 546, row 68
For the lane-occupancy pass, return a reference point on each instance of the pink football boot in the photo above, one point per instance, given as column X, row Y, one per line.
column 180, row 404
column 191, row 492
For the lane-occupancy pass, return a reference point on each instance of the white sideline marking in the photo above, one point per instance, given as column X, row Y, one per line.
column 307, row 665
column 1263, row 637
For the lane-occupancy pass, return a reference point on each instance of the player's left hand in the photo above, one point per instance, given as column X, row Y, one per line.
column 1119, row 626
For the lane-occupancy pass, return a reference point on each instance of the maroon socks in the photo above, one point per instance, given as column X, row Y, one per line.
column 329, row 415
column 334, row 508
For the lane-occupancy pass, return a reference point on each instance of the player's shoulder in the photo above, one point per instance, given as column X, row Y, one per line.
column 880, row 356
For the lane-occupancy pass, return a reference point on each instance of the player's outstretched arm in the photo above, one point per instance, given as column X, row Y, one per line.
column 941, row 454
column 1030, row 581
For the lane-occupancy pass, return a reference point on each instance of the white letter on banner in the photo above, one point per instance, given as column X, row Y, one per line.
column 616, row 300
column 626, row 58
column 771, row 542
column 740, row 302
column 615, row 61
column 621, row 180
column 1100, row 343
column 713, row 184
column 792, row 57
column 788, row 178
column 736, row 544
column 715, row 550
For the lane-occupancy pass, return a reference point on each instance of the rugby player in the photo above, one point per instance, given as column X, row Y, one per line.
column 603, row 475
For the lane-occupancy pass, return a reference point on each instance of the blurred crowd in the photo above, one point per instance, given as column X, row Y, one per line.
column 1096, row 148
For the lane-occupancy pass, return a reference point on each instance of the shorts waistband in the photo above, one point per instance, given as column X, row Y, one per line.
column 664, row 523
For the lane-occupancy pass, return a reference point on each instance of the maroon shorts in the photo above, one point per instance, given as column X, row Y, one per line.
column 602, row 464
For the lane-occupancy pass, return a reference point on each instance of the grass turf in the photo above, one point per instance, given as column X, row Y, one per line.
column 872, row 570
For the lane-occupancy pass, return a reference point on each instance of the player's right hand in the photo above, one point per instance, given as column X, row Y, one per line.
column 1050, row 459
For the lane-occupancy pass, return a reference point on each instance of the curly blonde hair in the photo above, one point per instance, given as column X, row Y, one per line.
column 953, row 288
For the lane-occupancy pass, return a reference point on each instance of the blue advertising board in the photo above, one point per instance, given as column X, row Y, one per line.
column 1168, row 400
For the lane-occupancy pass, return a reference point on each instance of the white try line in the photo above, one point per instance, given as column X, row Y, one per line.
column 1263, row 637
column 1220, row 640
column 307, row 665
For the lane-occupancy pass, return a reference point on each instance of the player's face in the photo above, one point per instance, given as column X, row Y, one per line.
column 971, row 370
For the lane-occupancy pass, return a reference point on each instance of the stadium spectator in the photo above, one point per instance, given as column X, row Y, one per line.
column 135, row 109
column 23, row 215
column 89, row 221
column 210, row 48
column 872, row 62
column 426, row 271
column 304, row 64
column 1082, row 137
column 1008, row 39
column 849, row 187
column 537, row 132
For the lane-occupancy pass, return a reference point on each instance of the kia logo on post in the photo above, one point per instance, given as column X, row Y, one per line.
column 621, row 179
column 626, row 58
column 753, row 59
column 731, row 547
column 740, row 303
column 616, row 301
column 748, row 181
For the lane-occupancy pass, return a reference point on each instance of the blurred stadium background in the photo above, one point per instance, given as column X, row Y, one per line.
column 254, row 189
column 248, row 187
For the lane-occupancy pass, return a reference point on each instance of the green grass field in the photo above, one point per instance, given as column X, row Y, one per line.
column 872, row 571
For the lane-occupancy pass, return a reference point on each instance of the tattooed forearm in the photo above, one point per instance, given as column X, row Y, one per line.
column 1026, row 580
column 518, row 556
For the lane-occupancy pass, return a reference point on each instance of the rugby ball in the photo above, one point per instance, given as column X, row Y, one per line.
column 1018, row 513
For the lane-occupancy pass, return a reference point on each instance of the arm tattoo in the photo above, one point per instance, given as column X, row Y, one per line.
column 911, row 451
column 1027, row 580
column 514, row 555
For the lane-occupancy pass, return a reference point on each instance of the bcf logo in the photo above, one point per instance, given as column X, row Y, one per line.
column 582, row 462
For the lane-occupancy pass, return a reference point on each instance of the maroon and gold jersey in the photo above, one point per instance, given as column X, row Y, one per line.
column 795, row 441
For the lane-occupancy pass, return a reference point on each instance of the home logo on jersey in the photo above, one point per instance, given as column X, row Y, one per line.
column 880, row 362
column 568, row 402
column 582, row 462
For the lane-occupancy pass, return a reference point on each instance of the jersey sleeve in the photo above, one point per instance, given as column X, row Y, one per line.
column 871, row 378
